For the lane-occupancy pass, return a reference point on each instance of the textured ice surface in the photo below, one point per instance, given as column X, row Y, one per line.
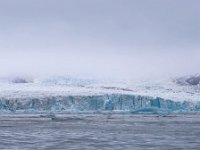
column 97, row 103
column 87, row 95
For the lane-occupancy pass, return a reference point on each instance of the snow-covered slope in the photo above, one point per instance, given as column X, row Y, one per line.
column 75, row 94
column 193, row 80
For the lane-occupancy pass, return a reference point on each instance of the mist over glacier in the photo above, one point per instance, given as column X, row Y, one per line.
column 99, row 65
column 102, row 39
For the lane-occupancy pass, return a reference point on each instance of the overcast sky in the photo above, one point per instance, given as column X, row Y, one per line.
column 104, row 38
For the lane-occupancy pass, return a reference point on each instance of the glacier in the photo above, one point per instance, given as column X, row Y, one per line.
column 97, row 103
column 65, row 94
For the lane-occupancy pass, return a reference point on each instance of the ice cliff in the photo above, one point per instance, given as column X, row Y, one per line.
column 97, row 103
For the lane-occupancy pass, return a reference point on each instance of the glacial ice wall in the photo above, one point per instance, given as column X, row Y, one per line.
column 96, row 103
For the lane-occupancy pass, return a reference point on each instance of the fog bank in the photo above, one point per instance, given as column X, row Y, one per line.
column 128, row 39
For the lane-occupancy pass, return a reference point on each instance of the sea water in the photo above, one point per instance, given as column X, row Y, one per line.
column 99, row 131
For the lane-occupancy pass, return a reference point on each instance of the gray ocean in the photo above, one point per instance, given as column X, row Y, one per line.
column 99, row 131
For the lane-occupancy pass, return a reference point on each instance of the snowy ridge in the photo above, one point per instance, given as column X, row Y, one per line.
column 193, row 80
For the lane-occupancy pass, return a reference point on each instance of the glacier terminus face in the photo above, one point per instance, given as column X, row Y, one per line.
column 66, row 94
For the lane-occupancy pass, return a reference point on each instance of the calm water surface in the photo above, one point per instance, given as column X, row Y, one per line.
column 99, row 131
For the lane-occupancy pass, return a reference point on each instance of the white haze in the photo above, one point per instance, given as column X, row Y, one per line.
column 125, row 39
